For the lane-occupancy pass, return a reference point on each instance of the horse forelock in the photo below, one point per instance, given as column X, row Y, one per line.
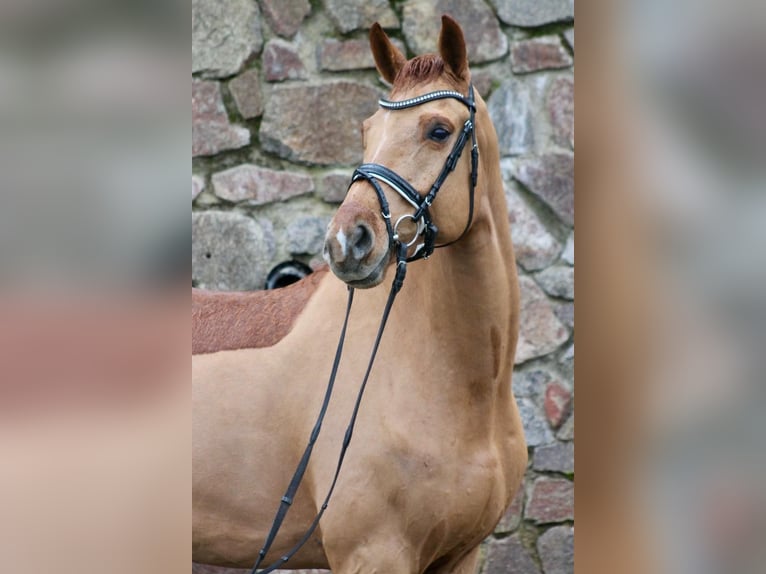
column 423, row 70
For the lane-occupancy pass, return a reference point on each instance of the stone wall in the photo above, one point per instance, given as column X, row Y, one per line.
column 279, row 88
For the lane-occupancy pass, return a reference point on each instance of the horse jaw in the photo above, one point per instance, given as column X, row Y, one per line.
column 373, row 279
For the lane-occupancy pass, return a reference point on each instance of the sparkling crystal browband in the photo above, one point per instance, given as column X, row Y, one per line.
column 416, row 101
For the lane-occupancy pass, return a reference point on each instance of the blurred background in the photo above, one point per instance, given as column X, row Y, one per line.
column 694, row 81
column 95, row 428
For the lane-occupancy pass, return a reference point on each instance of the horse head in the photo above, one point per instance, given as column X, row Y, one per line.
column 416, row 185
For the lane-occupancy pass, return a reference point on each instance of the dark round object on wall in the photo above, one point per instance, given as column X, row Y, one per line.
column 287, row 273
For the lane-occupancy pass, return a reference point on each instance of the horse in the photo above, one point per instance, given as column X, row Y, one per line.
column 438, row 450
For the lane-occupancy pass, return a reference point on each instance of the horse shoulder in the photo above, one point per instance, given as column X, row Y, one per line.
column 223, row 321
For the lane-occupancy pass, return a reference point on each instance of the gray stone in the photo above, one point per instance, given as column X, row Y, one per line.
column 348, row 15
column 528, row 13
column 566, row 432
column 509, row 556
column 324, row 122
column 246, row 90
column 341, row 55
column 211, row 130
column 556, row 550
column 551, row 178
column 484, row 39
column 224, row 34
column 198, row 186
column 565, row 313
column 531, row 384
column 536, row 429
column 567, row 358
column 568, row 254
column 332, row 186
column 230, row 251
column 569, row 35
column 281, row 61
column 483, row 80
column 305, row 235
column 258, row 185
column 560, row 105
column 512, row 517
column 542, row 53
column 556, row 457
column 557, row 281
column 513, row 107
column 540, row 331
column 534, row 246
column 550, row 500
column 285, row 16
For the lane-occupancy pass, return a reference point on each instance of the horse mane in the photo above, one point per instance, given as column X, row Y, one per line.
column 422, row 70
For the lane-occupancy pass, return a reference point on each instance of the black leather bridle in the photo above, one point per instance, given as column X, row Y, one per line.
column 375, row 173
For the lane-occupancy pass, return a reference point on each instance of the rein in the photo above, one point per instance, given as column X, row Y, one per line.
column 374, row 173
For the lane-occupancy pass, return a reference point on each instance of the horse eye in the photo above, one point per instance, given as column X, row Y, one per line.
column 438, row 134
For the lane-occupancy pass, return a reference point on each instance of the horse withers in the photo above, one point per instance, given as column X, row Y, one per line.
column 438, row 450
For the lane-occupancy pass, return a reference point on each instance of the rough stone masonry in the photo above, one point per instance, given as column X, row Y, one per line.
column 270, row 76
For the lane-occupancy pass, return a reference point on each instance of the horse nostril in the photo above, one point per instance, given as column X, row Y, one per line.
column 361, row 242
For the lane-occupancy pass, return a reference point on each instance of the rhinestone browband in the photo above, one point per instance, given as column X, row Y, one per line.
column 412, row 102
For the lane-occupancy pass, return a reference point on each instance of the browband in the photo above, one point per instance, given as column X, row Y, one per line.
column 418, row 100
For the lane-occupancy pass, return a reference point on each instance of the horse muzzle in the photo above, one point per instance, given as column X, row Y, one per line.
column 357, row 246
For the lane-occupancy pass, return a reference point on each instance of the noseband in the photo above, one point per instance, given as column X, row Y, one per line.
column 375, row 173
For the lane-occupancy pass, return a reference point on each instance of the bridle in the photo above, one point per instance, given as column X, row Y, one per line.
column 375, row 173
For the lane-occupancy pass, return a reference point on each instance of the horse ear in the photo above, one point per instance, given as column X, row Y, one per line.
column 388, row 59
column 452, row 48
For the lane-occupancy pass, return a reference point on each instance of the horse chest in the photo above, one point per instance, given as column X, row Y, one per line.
column 438, row 500
column 431, row 478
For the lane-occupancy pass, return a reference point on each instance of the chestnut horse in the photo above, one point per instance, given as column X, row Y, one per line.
column 438, row 449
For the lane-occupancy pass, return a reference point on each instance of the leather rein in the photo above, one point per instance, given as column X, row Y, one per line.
column 375, row 173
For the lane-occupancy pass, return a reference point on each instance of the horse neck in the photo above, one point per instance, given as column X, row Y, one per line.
column 468, row 292
column 481, row 266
